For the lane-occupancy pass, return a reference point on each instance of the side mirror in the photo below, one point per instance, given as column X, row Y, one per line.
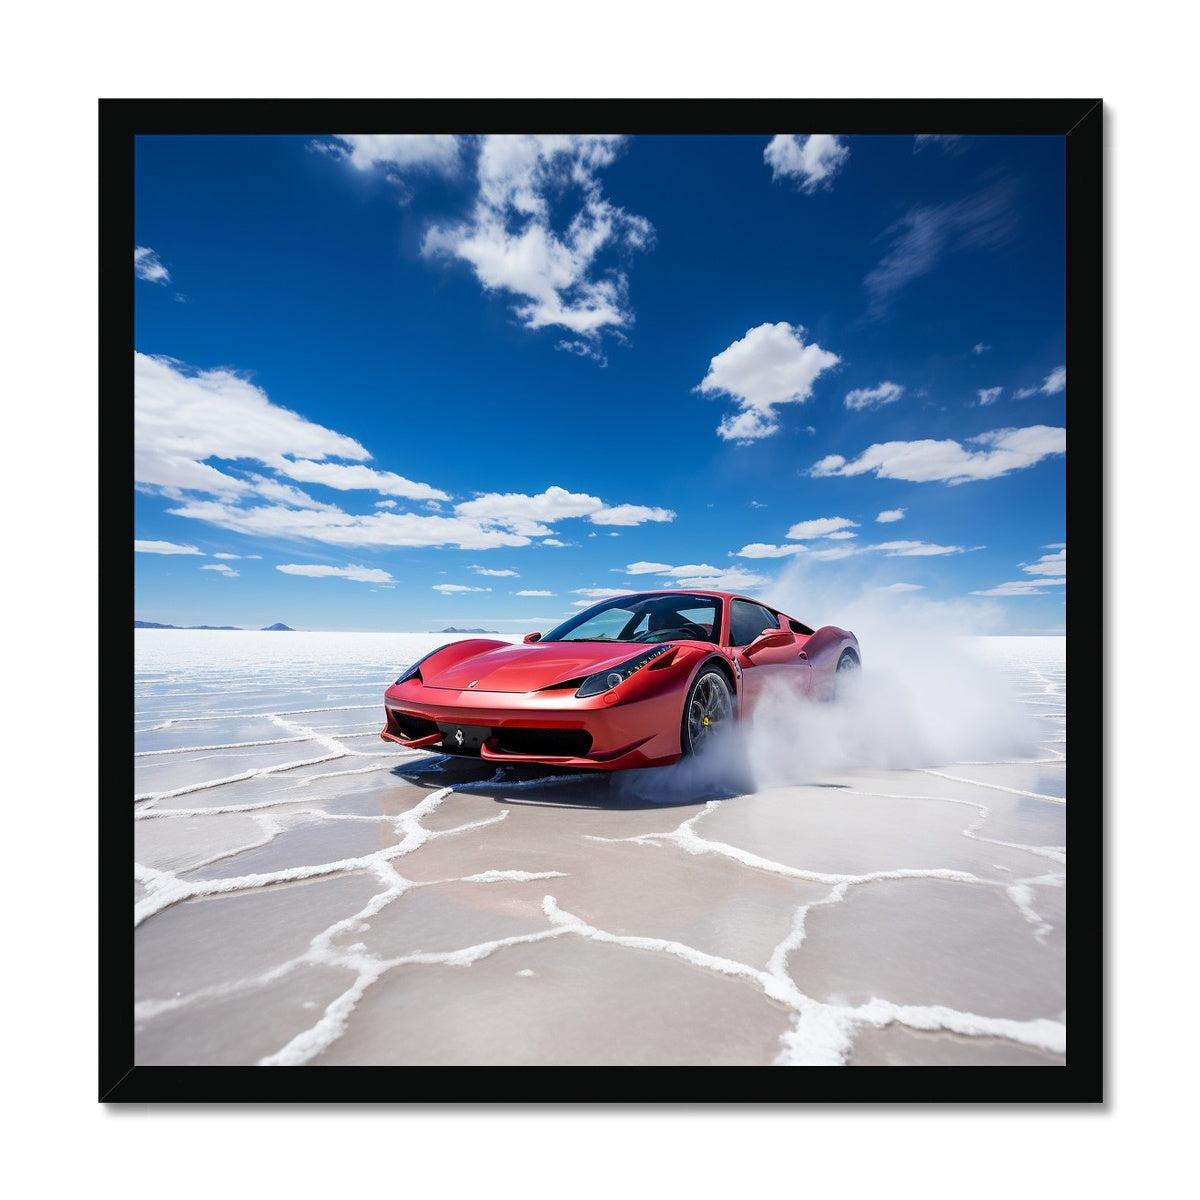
column 769, row 638
column 533, row 637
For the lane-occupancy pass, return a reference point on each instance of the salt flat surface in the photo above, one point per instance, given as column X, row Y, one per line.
column 880, row 882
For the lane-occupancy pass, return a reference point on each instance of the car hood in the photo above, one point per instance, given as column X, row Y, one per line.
column 527, row 668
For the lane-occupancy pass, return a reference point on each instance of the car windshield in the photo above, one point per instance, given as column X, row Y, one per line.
column 648, row 617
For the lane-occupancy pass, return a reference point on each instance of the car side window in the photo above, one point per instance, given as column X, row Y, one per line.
column 747, row 621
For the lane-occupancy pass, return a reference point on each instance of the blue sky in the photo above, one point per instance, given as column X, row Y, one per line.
column 411, row 381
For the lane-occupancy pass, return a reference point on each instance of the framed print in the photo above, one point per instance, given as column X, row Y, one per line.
column 600, row 601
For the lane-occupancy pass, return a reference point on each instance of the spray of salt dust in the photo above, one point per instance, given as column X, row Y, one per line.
column 924, row 698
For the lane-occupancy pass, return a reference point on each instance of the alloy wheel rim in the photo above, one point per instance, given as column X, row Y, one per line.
column 709, row 708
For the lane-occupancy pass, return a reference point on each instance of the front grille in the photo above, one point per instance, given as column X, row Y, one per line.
column 410, row 728
column 468, row 739
column 553, row 743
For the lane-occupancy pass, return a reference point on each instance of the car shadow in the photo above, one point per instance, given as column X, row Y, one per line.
column 689, row 782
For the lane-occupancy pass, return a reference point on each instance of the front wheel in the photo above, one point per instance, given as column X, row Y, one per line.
column 709, row 707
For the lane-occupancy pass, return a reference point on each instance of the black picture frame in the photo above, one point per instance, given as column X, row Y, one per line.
column 1080, row 123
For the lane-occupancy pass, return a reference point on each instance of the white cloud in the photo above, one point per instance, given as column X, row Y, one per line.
column 284, row 493
column 728, row 579
column 646, row 568
column 891, row 514
column 343, row 529
column 144, row 547
column 886, row 393
column 530, row 515
column 905, row 549
column 183, row 419
column 180, row 420
column 594, row 593
column 946, row 141
column 748, row 426
column 764, row 550
column 950, row 462
column 386, row 504
column 630, row 514
column 350, row 478
column 223, row 555
column 509, row 240
column 404, row 151
column 583, row 349
column 915, row 549
column 812, row 160
column 558, row 275
column 925, row 235
column 146, row 265
column 525, row 514
column 488, row 571
column 222, row 568
column 979, row 348
column 691, row 569
column 770, row 365
column 902, row 587
column 820, row 527
column 553, row 542
column 1048, row 564
column 356, row 573
column 989, row 395
column 1020, row 587
column 1054, row 383
column 455, row 588
column 532, row 592
column 699, row 575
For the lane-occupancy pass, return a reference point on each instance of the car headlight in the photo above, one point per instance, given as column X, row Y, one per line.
column 610, row 677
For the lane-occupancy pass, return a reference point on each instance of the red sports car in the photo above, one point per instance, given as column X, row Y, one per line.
column 635, row 681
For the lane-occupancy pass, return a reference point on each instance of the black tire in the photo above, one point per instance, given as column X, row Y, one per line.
column 847, row 670
column 708, row 708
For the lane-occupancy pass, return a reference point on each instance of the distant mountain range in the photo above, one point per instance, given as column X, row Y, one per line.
column 451, row 629
column 156, row 625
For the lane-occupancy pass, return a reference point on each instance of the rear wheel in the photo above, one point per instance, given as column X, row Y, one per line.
column 847, row 671
column 709, row 707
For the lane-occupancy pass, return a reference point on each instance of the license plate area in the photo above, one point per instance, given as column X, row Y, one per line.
column 463, row 739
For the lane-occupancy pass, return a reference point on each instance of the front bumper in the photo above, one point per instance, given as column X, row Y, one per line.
column 599, row 733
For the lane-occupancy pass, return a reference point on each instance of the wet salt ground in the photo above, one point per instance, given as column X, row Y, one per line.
column 308, row 894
